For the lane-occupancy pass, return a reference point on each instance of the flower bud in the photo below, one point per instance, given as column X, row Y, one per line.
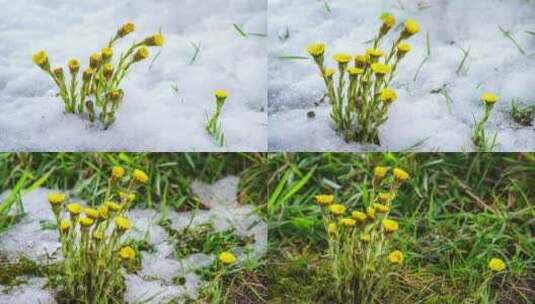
column 141, row 54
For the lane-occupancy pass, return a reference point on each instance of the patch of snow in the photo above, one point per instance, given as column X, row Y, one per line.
column 30, row 292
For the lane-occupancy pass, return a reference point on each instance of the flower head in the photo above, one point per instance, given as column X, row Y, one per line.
column 411, row 28
column 380, row 208
column 103, row 212
column 329, row 73
column 324, row 199
column 107, row 70
column 497, row 264
column 140, row 176
column 359, row 216
column 155, row 40
column 91, row 213
column 56, row 198
column 316, row 49
column 58, row 72
column 388, row 21
column 370, row 211
column 390, row 225
column 396, row 257
column 388, row 95
column 107, row 53
column 86, row 222
column 337, row 209
column 64, row 225
column 41, row 59
column 375, row 54
column 141, row 54
column 348, row 222
column 74, row 208
column 117, row 172
column 113, row 206
column 88, row 74
column 95, row 60
column 127, row 253
column 489, row 98
column 380, row 172
column 401, row 175
column 221, row 94
column 361, row 60
column 122, row 223
column 331, row 228
column 381, row 69
column 227, row 258
column 353, row 71
column 386, row 197
column 126, row 29
column 342, row 58
column 74, row 66
column 403, row 48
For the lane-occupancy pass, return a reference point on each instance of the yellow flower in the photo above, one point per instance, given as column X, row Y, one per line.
column 127, row 253
column 74, row 208
column 140, row 176
column 380, row 208
column 342, row 58
column 366, row 238
column 107, row 70
column 221, row 94
column 98, row 235
column 331, row 228
column 95, row 60
column 389, row 21
column 117, row 172
column 113, row 206
column 411, row 27
column 380, row 172
column 56, row 198
column 91, row 213
column 107, row 53
column 381, row 69
column 127, row 197
column 489, row 98
column 74, row 66
column 329, row 73
column 316, row 49
column 353, row 71
column 126, row 29
column 404, row 48
column 88, row 74
column 155, row 40
column 388, row 95
column 375, row 53
column 370, row 211
column 141, row 54
column 227, row 258
column 115, row 96
column 86, row 222
column 65, row 225
column 390, row 225
column 337, row 209
column 122, row 223
column 361, row 60
column 324, row 199
column 386, row 197
column 103, row 212
column 396, row 257
column 41, row 59
column 497, row 264
column 348, row 222
column 401, row 175
column 359, row 216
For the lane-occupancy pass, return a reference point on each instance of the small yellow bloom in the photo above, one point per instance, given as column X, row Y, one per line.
column 127, row 197
column 74, row 208
column 380, row 208
column 366, row 238
column 389, row 21
column 375, row 53
column 107, row 70
column 140, row 176
column 497, row 264
column 88, row 74
column 103, row 212
column 65, row 225
column 86, row 222
column 381, row 69
column 331, row 228
column 390, row 225
column 342, row 58
column 411, row 27
column 98, row 235
column 353, row 71
column 401, row 175
column 337, row 209
column 396, row 257
column 361, row 60
column 380, row 172
column 155, row 40
column 404, row 48
column 329, row 73
column 122, row 223
column 56, row 198
column 388, row 95
column 117, row 172
column 221, row 94
column 348, row 222
column 41, row 59
column 91, row 213
column 107, row 53
column 74, row 66
column 489, row 98
column 386, row 197
column 95, row 60
column 141, row 54
column 127, row 253
column 113, row 206
column 359, row 216
column 316, row 49
column 370, row 211
column 126, row 29
column 324, row 199
column 115, row 95
column 227, row 258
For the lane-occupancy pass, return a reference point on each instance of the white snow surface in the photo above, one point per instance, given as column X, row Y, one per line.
column 153, row 116
column 494, row 64
column 154, row 282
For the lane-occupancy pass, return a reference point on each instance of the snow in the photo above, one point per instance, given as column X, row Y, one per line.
column 153, row 116
column 494, row 64
column 154, row 283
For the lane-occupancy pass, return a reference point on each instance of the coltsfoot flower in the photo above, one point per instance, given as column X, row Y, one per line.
column 95, row 60
column 127, row 253
column 401, row 175
column 65, row 225
column 103, row 212
column 386, row 197
column 366, row 238
column 396, row 257
column 154, row 40
column 331, row 228
column 342, row 58
column 117, row 172
column 353, row 71
column 74, row 208
column 375, row 54
column 91, row 213
column 324, row 199
column 107, row 70
column 88, row 74
column 141, row 54
column 403, row 48
column 221, row 94
column 390, row 225
column 337, row 209
column 41, row 59
column 370, row 211
column 140, row 176
column 227, row 258
column 348, row 222
column 107, row 53
column 497, row 264
column 388, row 95
column 98, row 235
column 380, row 172
column 122, row 223
column 361, row 60
column 126, row 29
column 380, row 208
column 56, row 198
column 329, row 72
column 489, row 98
column 316, row 49
column 74, row 66
column 388, row 22
column 113, row 206
column 411, row 28
column 86, row 222
column 381, row 69
column 359, row 216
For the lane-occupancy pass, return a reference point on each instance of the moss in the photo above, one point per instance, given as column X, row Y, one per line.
column 11, row 272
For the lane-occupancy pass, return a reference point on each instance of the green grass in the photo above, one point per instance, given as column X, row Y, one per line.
column 457, row 211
